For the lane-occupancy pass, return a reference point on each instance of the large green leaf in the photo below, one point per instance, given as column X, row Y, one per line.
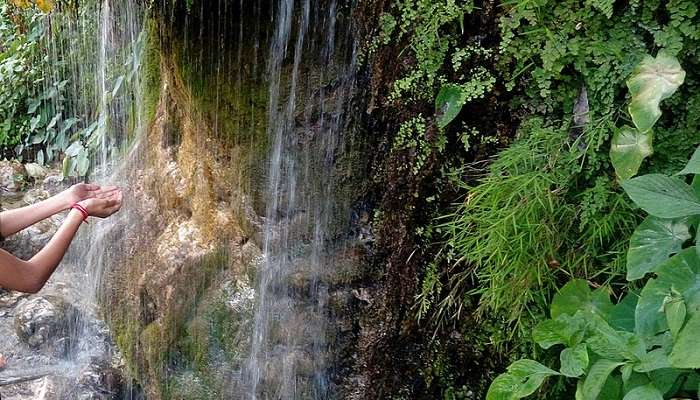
column 448, row 104
column 576, row 295
column 628, row 149
column 686, row 349
column 596, row 377
column 679, row 273
column 574, row 361
column 693, row 166
column 654, row 80
column 521, row 380
column 646, row 392
column 662, row 196
column 653, row 242
column 566, row 329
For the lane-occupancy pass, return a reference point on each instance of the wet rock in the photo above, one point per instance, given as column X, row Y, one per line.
column 12, row 176
column 10, row 298
column 44, row 323
column 54, row 182
column 35, row 195
column 100, row 381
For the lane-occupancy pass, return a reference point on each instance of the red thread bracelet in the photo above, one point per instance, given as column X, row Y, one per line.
column 82, row 210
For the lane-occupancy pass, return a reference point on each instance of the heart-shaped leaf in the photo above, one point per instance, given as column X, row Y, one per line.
column 628, row 149
column 653, row 242
column 654, row 80
column 662, row 196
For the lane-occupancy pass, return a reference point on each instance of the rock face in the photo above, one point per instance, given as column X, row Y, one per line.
column 44, row 323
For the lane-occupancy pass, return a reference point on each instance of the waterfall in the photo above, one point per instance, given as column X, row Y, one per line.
column 288, row 359
column 309, row 85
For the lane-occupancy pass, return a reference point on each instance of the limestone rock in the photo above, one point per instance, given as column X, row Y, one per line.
column 44, row 323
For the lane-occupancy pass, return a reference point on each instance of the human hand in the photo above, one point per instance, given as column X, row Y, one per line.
column 104, row 204
column 83, row 191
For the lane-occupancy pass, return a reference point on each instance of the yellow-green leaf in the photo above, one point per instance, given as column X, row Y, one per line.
column 628, row 149
column 654, row 80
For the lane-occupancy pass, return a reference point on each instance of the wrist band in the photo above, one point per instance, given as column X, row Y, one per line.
column 82, row 210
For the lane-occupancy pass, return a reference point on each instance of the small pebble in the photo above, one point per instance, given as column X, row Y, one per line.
column 3, row 362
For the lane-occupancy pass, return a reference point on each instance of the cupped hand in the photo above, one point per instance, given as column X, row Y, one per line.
column 83, row 191
column 104, row 203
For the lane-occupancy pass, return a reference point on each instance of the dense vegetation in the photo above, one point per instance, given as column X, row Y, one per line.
column 549, row 207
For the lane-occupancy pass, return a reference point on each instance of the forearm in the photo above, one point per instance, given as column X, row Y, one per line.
column 12, row 221
column 43, row 264
column 30, row 276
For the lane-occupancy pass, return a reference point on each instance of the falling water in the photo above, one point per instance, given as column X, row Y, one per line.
column 289, row 352
column 310, row 83
column 104, row 93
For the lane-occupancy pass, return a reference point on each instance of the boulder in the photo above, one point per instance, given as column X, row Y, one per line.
column 12, row 177
column 44, row 323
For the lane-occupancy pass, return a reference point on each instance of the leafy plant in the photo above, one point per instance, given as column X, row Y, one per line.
column 646, row 345
column 654, row 80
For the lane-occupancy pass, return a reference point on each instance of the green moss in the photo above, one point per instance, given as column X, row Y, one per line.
column 151, row 71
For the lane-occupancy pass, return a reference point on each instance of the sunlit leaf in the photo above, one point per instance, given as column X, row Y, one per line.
column 565, row 329
column 654, row 80
column 675, row 310
column 686, row 349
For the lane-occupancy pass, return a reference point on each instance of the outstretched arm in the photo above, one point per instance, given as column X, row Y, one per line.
column 31, row 275
column 13, row 221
